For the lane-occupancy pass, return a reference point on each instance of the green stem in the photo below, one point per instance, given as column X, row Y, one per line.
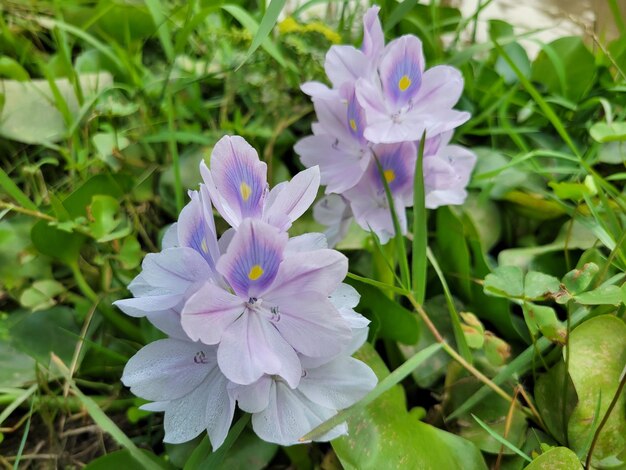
column 113, row 316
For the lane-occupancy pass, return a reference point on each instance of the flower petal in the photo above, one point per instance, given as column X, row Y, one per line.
column 253, row 257
column 252, row 398
column 306, row 242
column 341, row 166
column 168, row 321
column 333, row 211
column 252, row 347
column 208, row 313
column 339, row 383
column 401, row 68
column 310, row 324
column 289, row 416
column 373, row 37
column 175, row 269
column 208, row 407
column 345, row 64
column 294, row 199
column 345, row 296
column 318, row 90
column 168, row 369
column 237, row 180
column 301, row 272
column 196, row 227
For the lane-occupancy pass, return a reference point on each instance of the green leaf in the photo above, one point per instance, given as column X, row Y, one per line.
column 555, row 404
column 395, row 322
column 603, row 295
column 385, row 435
column 30, row 114
column 41, row 294
column 577, row 280
column 539, row 285
column 557, row 458
column 501, row 439
column 505, row 281
column 455, row 256
column 49, row 331
column 123, row 459
column 57, row 243
column 10, row 68
column 16, row 367
column 605, row 132
column 104, row 210
column 249, row 452
column 267, row 24
column 541, row 318
column 419, row 265
column 567, row 54
column 15, row 192
column 597, row 360
column 252, row 26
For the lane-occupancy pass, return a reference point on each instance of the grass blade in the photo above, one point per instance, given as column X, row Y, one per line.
column 380, row 285
column 501, row 439
column 459, row 336
column 162, row 30
column 420, row 229
column 20, row 451
column 15, row 192
column 215, row 459
column 102, row 420
column 267, row 24
column 392, row 379
column 399, row 238
column 252, row 26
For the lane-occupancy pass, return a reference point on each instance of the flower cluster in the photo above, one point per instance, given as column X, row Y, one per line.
column 381, row 102
column 254, row 319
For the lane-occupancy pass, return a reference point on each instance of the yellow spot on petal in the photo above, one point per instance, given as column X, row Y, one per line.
column 353, row 124
column 256, row 272
column 245, row 191
column 204, row 247
column 389, row 175
column 404, row 83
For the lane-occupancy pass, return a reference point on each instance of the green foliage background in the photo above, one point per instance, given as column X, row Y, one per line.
column 108, row 106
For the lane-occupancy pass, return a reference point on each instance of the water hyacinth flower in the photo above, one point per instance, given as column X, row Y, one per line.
column 254, row 310
column 183, row 380
column 380, row 96
column 283, row 414
column 278, row 306
column 237, row 184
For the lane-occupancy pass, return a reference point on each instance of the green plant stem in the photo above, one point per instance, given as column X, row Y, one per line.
column 117, row 320
column 173, row 148
column 68, row 403
column 456, row 356
column 605, row 418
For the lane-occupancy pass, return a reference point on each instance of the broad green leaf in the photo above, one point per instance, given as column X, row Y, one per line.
column 605, row 132
column 570, row 55
column 577, row 280
column 104, row 212
column 454, row 252
column 541, row 318
column 40, row 295
column 123, row 459
column 539, row 285
column 57, row 243
column 249, row 452
column 49, row 331
column 597, row 361
column 505, row 281
column 395, row 322
column 30, row 114
column 557, row 458
column 555, row 404
column 16, row 367
column 603, row 295
column 10, row 68
column 385, row 435
column 573, row 191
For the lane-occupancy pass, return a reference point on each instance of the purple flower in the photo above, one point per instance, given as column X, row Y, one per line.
column 183, row 380
column 237, row 184
column 169, row 277
column 283, row 414
column 278, row 306
column 447, row 171
column 338, row 146
column 334, row 212
column 404, row 100
column 368, row 200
